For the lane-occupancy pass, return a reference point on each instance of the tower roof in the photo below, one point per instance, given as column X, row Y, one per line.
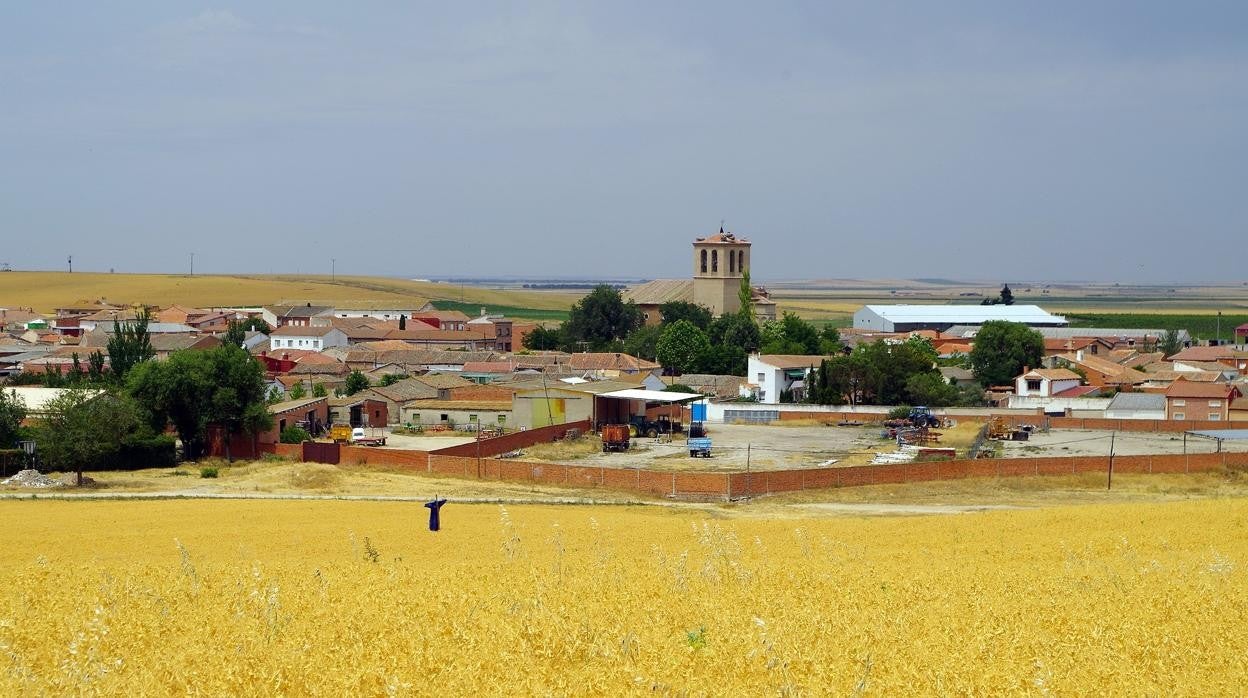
column 721, row 238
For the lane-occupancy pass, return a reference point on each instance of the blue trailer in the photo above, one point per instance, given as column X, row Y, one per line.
column 699, row 447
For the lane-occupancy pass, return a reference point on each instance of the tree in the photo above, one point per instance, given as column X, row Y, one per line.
column 601, row 319
column 297, row 391
column 745, row 297
column 683, row 310
column 736, row 331
column 129, row 345
column 192, row 389
column 830, row 341
column 294, row 435
column 644, row 342
column 356, row 382
column 391, row 379
column 790, row 335
column 236, row 398
column 930, row 389
column 81, row 429
column 543, row 339
column 681, row 345
column 1007, row 296
column 319, row 390
column 255, row 324
column 12, row 412
column 846, row 378
column 95, row 367
column 723, row 360
column 1170, row 343
column 275, row 395
column 402, row 322
column 1002, row 349
column 235, row 334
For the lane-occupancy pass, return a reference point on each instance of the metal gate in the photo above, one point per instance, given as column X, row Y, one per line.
column 317, row 452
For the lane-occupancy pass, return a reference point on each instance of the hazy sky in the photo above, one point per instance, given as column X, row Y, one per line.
column 990, row 140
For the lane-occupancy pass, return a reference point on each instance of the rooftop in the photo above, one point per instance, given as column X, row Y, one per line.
column 964, row 314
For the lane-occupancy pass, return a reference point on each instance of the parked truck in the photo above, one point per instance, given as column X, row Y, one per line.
column 360, row 438
column 615, row 437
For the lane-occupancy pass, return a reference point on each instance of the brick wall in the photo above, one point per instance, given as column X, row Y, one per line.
column 513, row 441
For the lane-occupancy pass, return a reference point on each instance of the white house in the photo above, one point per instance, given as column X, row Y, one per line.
column 1045, row 382
column 310, row 338
column 776, row 373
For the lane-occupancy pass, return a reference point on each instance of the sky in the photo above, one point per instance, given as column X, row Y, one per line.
column 1100, row 141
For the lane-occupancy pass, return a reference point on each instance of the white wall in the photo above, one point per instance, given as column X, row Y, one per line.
column 1053, row 404
column 1135, row 414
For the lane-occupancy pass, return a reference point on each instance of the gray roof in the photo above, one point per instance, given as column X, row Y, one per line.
column 1138, row 401
column 1072, row 332
column 966, row 314
column 957, row 373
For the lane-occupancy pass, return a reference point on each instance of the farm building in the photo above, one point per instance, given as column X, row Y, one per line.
column 312, row 412
column 908, row 318
column 460, row 414
column 1137, row 406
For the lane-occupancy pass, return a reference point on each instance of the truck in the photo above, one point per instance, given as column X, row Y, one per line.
column 615, row 437
column 360, row 438
column 700, row 446
column 652, row 427
column 340, row 433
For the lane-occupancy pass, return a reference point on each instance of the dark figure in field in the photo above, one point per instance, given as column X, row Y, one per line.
column 434, row 506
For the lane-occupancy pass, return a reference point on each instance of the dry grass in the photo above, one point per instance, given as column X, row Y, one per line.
column 567, row 450
column 45, row 291
column 344, row 598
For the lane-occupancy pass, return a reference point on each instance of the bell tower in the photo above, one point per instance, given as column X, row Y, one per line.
column 719, row 261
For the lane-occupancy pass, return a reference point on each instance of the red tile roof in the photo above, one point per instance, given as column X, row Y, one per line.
column 1213, row 391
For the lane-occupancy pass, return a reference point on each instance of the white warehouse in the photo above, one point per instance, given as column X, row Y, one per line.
column 909, row 318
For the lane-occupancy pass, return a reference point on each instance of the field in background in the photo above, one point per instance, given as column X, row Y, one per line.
column 337, row 598
column 45, row 291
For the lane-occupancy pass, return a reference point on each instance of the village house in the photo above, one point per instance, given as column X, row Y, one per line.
column 305, row 337
column 776, row 374
column 1137, row 406
column 1200, row 401
column 1046, row 382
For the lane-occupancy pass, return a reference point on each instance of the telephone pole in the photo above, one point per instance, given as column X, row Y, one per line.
column 192, row 264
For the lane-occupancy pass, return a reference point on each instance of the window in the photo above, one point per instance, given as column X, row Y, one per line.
column 714, row 261
column 444, row 418
column 741, row 260
column 1094, row 348
column 703, row 261
column 1215, row 416
column 762, row 377
column 1215, row 403
column 1178, row 415
column 732, row 262
column 1033, row 384
column 1180, row 403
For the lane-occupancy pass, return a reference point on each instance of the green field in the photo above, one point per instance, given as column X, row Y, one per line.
column 1200, row 326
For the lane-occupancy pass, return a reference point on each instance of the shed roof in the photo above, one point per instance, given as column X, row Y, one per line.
column 1138, row 401
column 965, row 314
column 653, row 395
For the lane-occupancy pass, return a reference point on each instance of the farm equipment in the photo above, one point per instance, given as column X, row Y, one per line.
column 697, row 430
column 923, row 417
column 340, row 433
column 641, row 426
column 699, row 446
column 615, row 437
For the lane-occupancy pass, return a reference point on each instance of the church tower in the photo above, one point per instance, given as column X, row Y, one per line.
column 719, row 261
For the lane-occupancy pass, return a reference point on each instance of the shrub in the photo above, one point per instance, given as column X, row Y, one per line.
column 208, row 472
column 294, row 435
column 899, row 412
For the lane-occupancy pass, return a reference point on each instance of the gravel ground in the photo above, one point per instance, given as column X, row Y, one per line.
column 1087, row 442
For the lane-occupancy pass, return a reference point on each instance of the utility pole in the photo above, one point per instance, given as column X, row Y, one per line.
column 192, row 264
column 749, row 481
column 1109, row 480
column 333, row 269
column 71, row 264
column 1219, row 328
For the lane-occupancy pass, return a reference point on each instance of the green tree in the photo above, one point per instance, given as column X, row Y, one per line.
column 402, row 322
column 736, row 331
column 1170, row 344
column 294, row 435
column 681, row 345
column 235, row 334
column 297, row 391
column 745, row 297
column 1002, row 349
column 95, row 367
column 275, row 396
column 790, row 335
column 644, row 342
column 830, row 341
column 319, row 390
column 600, row 320
column 683, row 310
column 391, row 379
column 543, row 339
column 930, row 389
column 849, row 378
column 236, row 398
column 12, row 412
column 192, row 389
column 1007, row 296
column 722, row 360
column 129, row 345
column 356, row 382
column 81, row 429
column 255, row 324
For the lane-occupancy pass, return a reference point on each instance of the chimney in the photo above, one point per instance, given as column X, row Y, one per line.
column 483, row 311
column 1079, row 355
column 1026, row 370
column 264, row 352
column 285, row 356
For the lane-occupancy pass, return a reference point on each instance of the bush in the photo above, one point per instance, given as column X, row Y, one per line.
column 139, row 452
column 899, row 412
column 294, row 435
column 274, row 458
column 208, row 472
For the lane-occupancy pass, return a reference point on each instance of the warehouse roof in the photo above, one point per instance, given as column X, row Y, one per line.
column 1138, row 401
column 965, row 314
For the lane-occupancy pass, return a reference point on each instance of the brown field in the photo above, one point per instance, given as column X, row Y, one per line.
column 44, row 291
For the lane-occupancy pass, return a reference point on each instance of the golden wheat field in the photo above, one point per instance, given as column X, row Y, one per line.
column 44, row 291
column 333, row 598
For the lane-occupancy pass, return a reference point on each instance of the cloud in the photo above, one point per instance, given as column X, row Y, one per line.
column 207, row 22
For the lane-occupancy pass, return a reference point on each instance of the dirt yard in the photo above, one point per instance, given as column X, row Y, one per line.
column 1087, row 442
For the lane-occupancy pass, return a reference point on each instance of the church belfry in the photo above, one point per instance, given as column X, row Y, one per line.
column 719, row 262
